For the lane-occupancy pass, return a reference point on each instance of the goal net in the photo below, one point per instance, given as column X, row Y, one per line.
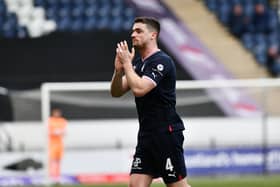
column 227, row 122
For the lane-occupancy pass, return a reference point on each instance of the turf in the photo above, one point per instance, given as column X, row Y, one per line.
column 242, row 181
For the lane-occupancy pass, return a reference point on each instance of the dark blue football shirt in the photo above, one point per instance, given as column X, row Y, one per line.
column 156, row 110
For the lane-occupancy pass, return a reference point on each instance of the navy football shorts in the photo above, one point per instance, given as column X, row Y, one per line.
column 160, row 155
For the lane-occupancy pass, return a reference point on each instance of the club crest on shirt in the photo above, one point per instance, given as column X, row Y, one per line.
column 160, row 67
column 136, row 163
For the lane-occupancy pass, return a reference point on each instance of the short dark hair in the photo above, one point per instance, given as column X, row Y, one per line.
column 151, row 22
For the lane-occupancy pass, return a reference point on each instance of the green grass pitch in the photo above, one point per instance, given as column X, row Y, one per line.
column 234, row 181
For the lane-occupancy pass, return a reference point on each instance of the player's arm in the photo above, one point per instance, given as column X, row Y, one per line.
column 59, row 132
column 119, row 84
column 140, row 86
column 56, row 131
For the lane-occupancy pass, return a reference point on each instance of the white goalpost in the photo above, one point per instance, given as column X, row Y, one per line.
column 230, row 95
column 46, row 88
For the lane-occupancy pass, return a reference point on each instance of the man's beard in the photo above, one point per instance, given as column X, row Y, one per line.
column 138, row 47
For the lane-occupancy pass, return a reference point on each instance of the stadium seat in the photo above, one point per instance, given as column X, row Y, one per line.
column 272, row 21
column 41, row 3
column 22, row 32
column 77, row 25
column 223, row 11
column 78, row 11
column 64, row 24
column 260, row 48
column 257, row 27
column 69, row 15
column 90, row 24
column 248, row 41
column 90, row 11
column 103, row 23
column 116, row 24
column 9, row 26
column 212, row 5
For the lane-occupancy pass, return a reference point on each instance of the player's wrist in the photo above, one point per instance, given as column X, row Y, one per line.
column 127, row 65
column 119, row 72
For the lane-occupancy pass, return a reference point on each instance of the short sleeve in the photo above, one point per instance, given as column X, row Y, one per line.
column 157, row 70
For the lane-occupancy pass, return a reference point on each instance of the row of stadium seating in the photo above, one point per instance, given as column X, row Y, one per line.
column 9, row 27
column 34, row 18
column 256, row 24
column 79, row 15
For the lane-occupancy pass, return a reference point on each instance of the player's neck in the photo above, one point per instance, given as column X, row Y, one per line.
column 147, row 52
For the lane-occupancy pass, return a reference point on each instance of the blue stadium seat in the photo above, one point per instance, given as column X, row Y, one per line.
column 126, row 25
column 103, row 11
column 273, row 38
column 2, row 21
column 260, row 48
column 128, row 13
column 75, row 16
column 212, row 5
column 257, row 31
column 89, row 14
column 91, row 2
column 11, row 19
column 51, row 13
column 9, row 30
column 65, row 12
column 223, row 12
column 90, row 11
column 3, row 12
column 51, row 3
column 64, row 24
column 41, row 3
column 77, row 25
column 273, row 21
column 3, row 8
column 22, row 32
column 103, row 23
column 90, row 24
column 78, row 11
column 249, row 8
column 248, row 41
column 116, row 24
column 265, row 2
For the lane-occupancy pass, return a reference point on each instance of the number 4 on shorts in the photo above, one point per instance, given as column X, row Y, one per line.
column 168, row 165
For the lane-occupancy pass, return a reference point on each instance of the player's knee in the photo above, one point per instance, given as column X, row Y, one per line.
column 188, row 185
column 131, row 184
column 137, row 183
column 134, row 184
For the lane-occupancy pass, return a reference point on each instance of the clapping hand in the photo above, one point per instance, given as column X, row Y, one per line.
column 118, row 64
column 123, row 53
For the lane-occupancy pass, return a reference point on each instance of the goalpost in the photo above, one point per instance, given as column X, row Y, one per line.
column 46, row 89
column 232, row 96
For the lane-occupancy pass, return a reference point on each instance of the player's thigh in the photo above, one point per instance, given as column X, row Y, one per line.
column 144, row 161
column 56, row 152
column 140, row 180
column 171, row 159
